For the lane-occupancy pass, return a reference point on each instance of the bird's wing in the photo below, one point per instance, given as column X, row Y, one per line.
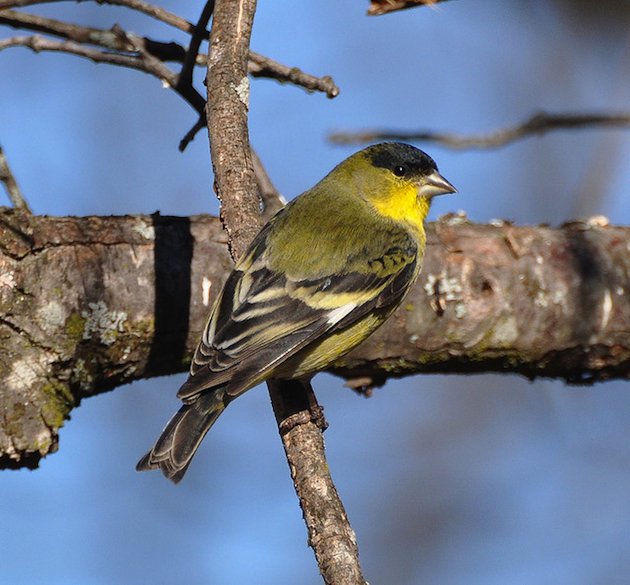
column 263, row 317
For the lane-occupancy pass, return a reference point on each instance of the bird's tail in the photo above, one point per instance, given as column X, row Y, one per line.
column 174, row 450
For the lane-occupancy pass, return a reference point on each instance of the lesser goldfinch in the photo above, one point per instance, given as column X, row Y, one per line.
column 318, row 279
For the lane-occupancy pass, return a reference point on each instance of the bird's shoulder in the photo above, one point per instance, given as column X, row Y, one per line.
column 324, row 233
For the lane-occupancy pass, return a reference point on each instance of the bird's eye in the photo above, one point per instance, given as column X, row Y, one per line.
column 400, row 170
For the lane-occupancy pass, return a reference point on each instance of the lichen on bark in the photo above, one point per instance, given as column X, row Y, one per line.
column 538, row 301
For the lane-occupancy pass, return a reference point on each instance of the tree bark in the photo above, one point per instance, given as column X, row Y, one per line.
column 227, row 108
column 301, row 424
column 87, row 304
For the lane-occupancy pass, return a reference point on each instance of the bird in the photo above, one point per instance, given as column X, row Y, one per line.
column 320, row 276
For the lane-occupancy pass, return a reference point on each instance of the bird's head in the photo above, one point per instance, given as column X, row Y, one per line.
column 397, row 179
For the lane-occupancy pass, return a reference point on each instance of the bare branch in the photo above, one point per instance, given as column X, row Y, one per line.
column 147, row 55
column 157, row 68
column 113, row 39
column 151, row 52
column 538, row 124
column 258, row 65
column 14, row 192
column 199, row 125
column 185, row 80
column 143, row 60
column 200, row 33
column 301, row 424
column 137, row 5
column 116, row 40
column 261, row 66
column 38, row 43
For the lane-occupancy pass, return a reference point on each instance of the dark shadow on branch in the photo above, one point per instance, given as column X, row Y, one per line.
column 173, row 254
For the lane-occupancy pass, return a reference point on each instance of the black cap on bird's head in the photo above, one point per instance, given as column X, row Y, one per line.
column 410, row 163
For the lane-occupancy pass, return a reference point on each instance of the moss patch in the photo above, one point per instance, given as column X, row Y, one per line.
column 75, row 326
column 58, row 403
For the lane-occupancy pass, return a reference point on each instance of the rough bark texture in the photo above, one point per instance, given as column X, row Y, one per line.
column 87, row 304
column 532, row 300
column 228, row 103
column 301, row 422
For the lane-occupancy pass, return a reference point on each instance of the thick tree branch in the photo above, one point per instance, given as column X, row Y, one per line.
column 537, row 125
column 87, row 304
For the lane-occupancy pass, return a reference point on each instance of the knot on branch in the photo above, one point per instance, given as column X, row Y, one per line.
column 315, row 415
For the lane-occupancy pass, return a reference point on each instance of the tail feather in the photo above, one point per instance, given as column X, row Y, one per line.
column 174, row 450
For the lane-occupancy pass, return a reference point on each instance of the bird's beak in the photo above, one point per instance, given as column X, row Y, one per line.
column 435, row 184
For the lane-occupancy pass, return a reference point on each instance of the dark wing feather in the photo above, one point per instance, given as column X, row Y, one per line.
column 391, row 295
column 262, row 317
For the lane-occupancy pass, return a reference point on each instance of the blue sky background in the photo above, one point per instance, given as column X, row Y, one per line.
column 446, row 479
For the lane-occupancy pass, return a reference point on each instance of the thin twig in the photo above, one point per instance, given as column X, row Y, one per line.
column 118, row 40
column 258, row 65
column 157, row 68
column 185, row 80
column 13, row 190
column 199, row 34
column 272, row 201
column 147, row 55
column 138, row 5
column 107, row 38
column 38, row 43
column 261, row 66
column 199, row 125
column 538, row 124
column 143, row 61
